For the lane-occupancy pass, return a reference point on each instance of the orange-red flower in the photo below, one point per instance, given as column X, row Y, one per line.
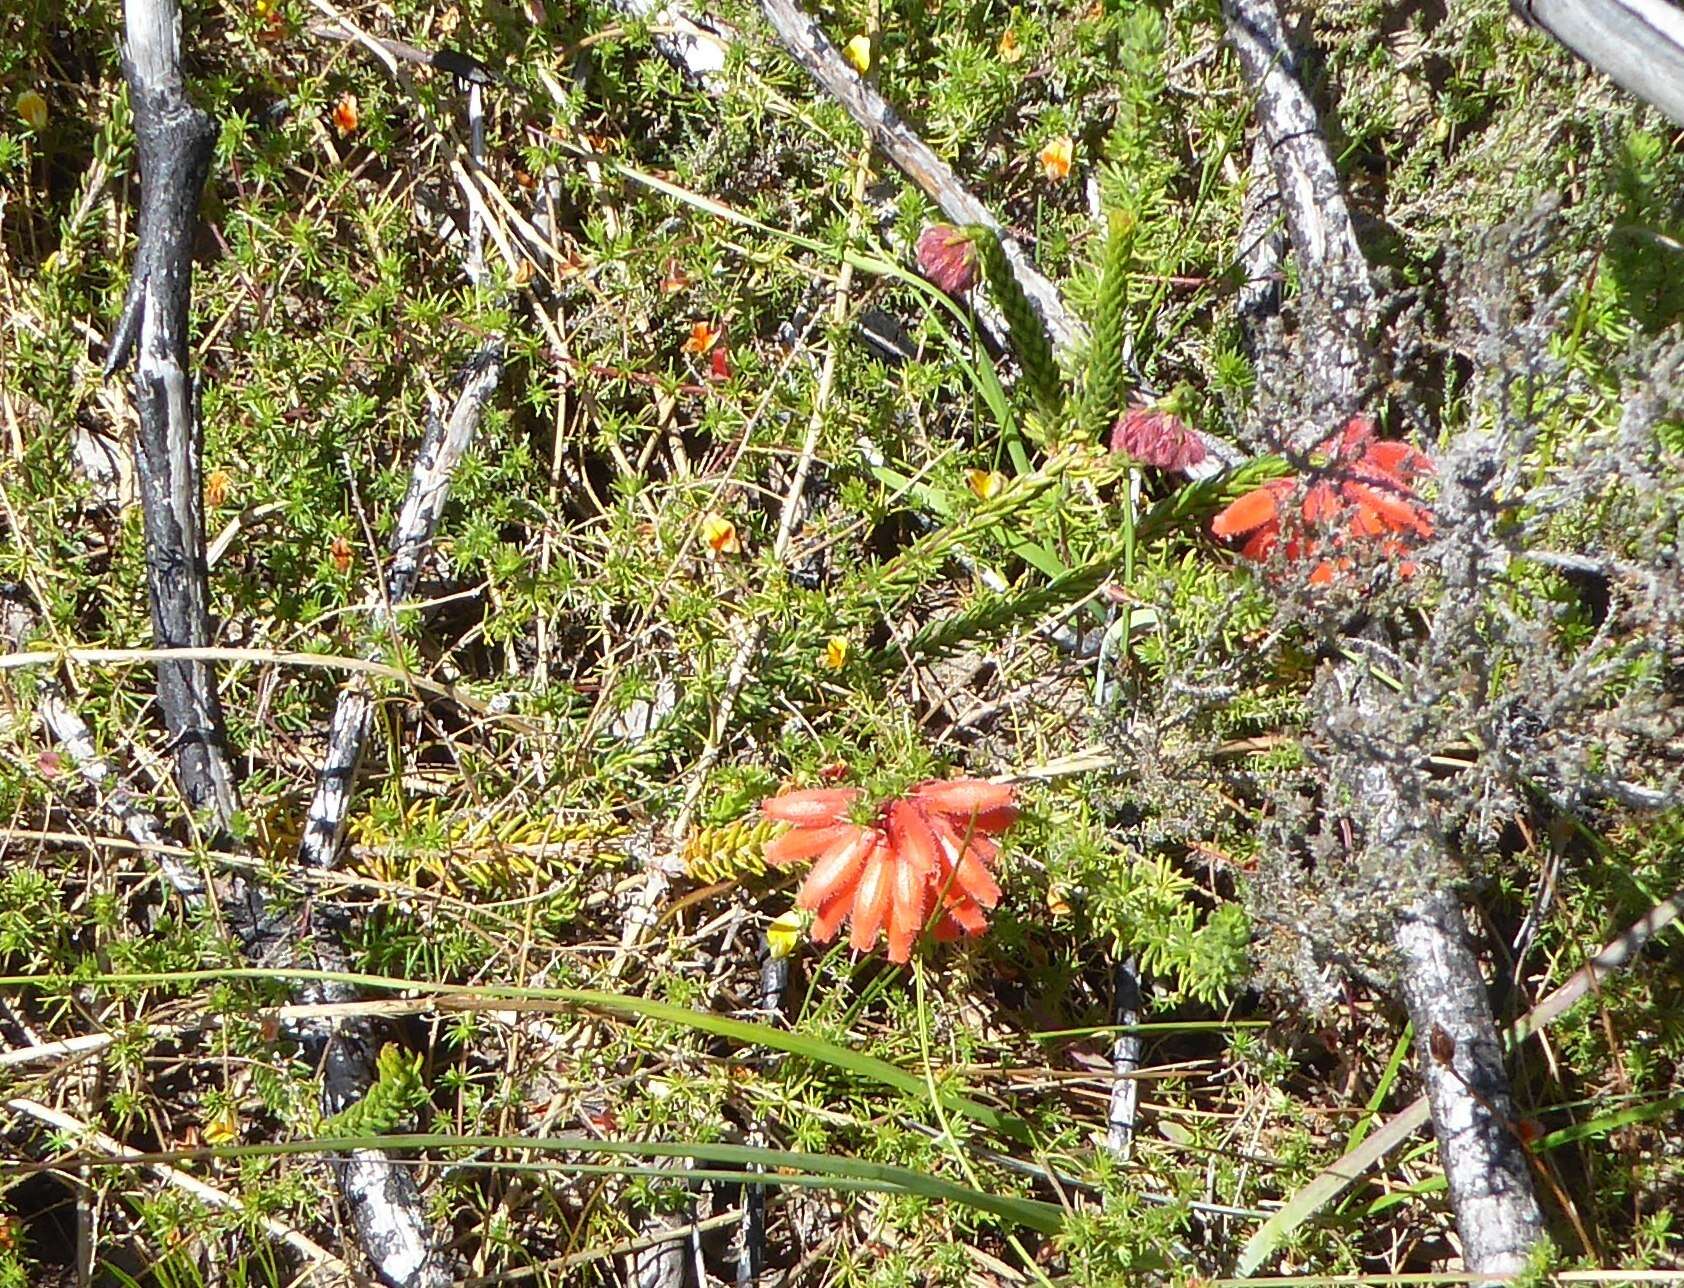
column 928, row 853
column 1365, row 497
column 346, row 117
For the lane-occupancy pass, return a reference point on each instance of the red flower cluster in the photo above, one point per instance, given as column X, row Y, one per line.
column 1157, row 438
column 1367, row 497
column 926, row 851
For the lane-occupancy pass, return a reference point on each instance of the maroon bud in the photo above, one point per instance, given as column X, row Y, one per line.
column 947, row 258
column 1157, row 438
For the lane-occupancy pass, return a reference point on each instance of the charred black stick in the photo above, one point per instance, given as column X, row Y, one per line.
column 173, row 139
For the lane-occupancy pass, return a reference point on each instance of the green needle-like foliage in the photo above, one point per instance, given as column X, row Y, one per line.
column 1024, row 324
column 396, row 1093
column 1107, row 375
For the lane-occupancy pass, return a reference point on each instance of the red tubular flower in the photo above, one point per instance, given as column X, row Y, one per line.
column 1368, row 498
column 928, row 852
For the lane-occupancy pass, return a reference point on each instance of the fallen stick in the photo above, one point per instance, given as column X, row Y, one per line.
column 384, row 1199
column 1350, row 1167
column 1333, row 272
column 1637, row 44
column 173, row 139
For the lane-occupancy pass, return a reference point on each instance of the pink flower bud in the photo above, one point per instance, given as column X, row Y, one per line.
column 947, row 258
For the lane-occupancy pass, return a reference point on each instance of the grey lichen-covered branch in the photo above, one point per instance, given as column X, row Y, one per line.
column 382, row 1196
column 1338, row 299
column 173, row 138
column 1497, row 1213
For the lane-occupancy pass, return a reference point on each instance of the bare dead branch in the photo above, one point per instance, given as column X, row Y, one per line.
column 1338, row 296
column 1461, row 1062
column 1126, row 1050
column 1638, row 44
column 1490, row 1182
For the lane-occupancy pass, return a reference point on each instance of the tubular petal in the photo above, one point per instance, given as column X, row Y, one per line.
column 829, row 919
column 909, row 833
column 1399, row 514
column 837, row 870
column 973, row 879
column 871, row 898
column 961, row 870
column 1260, row 544
column 963, row 797
column 1399, row 460
column 805, row 843
column 1321, row 503
column 967, row 916
column 1259, row 506
column 906, row 909
column 992, row 822
column 811, row 807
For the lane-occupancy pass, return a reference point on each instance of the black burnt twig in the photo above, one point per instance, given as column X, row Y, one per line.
column 173, row 138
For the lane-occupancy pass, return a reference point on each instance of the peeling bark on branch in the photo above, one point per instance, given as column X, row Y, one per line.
column 173, row 139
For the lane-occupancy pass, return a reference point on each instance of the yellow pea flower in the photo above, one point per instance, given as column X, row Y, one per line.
column 784, row 933
column 32, row 107
column 721, row 535
column 1056, row 158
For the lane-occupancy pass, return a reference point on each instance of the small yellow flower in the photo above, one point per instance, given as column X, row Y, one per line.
column 223, row 1127
column 1010, row 50
column 985, row 483
column 721, row 535
column 217, row 483
column 1056, row 158
column 784, row 933
column 835, row 653
column 858, row 53
column 33, row 108
column 1058, row 901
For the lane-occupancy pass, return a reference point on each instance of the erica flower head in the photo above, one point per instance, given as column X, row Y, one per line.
column 889, row 868
column 947, row 258
column 1157, row 438
column 1365, row 497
